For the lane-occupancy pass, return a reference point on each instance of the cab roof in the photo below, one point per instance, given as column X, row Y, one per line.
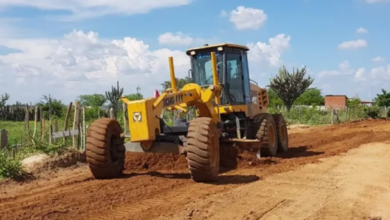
column 206, row 46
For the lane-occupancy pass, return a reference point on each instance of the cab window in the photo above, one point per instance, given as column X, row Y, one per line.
column 234, row 78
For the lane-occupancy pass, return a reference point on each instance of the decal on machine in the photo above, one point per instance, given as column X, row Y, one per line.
column 172, row 100
column 137, row 117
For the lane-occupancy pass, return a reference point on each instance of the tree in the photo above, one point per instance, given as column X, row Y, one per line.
column 135, row 96
column 383, row 99
column 289, row 86
column 354, row 102
column 274, row 100
column 113, row 96
column 51, row 105
column 311, row 96
column 93, row 100
column 4, row 98
column 180, row 82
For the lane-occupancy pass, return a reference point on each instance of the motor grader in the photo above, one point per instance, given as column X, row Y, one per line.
column 230, row 107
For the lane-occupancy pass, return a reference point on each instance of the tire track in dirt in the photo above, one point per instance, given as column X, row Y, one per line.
column 342, row 187
column 150, row 195
column 162, row 200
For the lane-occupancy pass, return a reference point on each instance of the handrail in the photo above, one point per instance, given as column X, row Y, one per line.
column 254, row 81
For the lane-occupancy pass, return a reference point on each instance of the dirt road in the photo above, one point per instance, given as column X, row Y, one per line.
column 351, row 186
column 316, row 179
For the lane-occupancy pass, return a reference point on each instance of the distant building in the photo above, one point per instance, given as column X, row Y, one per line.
column 336, row 101
column 368, row 103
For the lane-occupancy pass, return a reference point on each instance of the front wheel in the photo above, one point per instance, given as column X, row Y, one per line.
column 203, row 150
column 267, row 135
column 281, row 127
column 105, row 150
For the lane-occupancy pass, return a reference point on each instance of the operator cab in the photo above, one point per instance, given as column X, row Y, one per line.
column 232, row 69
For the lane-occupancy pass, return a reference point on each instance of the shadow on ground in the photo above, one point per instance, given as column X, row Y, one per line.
column 296, row 152
column 222, row 179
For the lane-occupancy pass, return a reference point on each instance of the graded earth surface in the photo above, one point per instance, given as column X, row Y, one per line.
column 330, row 172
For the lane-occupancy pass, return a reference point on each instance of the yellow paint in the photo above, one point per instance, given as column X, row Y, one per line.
column 151, row 108
column 215, row 77
column 172, row 74
column 140, row 127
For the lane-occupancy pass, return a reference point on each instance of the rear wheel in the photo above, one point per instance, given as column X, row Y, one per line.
column 105, row 150
column 267, row 135
column 203, row 150
column 281, row 127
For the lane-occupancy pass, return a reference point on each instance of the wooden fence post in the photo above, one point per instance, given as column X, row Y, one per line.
column 42, row 124
column 76, row 123
column 111, row 113
column 3, row 138
column 35, row 121
column 50, row 123
column 125, row 126
column 27, row 120
column 55, row 129
column 66, row 123
column 43, row 129
column 84, row 129
column 332, row 116
column 81, row 130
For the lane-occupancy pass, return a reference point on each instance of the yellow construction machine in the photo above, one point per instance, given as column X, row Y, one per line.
column 230, row 107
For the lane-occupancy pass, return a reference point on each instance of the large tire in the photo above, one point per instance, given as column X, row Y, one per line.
column 267, row 135
column 105, row 150
column 282, row 133
column 203, row 150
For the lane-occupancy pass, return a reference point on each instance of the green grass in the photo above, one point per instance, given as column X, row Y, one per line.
column 313, row 116
column 10, row 158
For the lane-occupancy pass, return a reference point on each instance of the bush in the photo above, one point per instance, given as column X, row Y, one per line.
column 93, row 113
column 10, row 167
column 315, row 116
column 388, row 112
column 372, row 112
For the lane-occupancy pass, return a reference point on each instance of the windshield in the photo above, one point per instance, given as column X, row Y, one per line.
column 202, row 70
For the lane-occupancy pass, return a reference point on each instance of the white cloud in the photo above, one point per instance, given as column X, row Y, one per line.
column 180, row 39
column 92, row 8
column 352, row 44
column 345, row 66
column 247, row 18
column 175, row 39
column 223, row 13
column 344, row 69
column 378, row 59
column 359, row 74
column 82, row 63
column 263, row 54
column 381, row 73
column 361, row 30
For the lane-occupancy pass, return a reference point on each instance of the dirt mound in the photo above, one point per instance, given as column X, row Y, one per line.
column 231, row 157
column 154, row 162
column 42, row 162
column 303, row 143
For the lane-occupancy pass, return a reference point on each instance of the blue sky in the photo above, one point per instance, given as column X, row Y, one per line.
column 36, row 55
